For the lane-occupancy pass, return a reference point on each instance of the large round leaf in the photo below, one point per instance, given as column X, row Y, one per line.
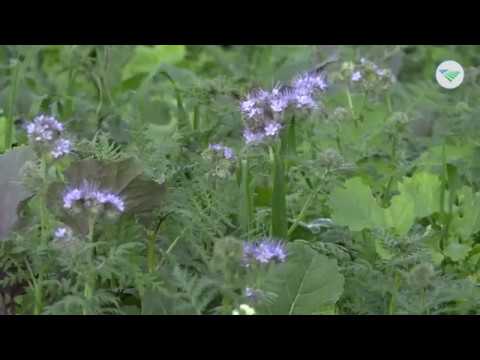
column 308, row 283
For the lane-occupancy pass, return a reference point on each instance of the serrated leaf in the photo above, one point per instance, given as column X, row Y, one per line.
column 309, row 283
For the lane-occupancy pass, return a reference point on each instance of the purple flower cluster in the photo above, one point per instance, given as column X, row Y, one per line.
column 264, row 252
column 62, row 147
column 222, row 150
column 263, row 110
column 253, row 295
column 62, row 233
column 91, row 197
column 44, row 128
column 46, row 131
column 371, row 67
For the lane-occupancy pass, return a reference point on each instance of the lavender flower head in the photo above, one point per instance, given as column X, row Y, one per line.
column 46, row 132
column 356, row 76
column 63, row 234
column 305, row 87
column 222, row 150
column 62, row 147
column 60, row 233
column 44, row 128
column 264, row 110
column 89, row 196
column 264, row 252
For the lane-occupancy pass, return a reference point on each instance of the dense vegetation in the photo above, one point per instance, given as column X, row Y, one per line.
column 238, row 180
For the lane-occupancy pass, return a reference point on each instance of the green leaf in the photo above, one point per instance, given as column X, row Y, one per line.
column 354, row 206
column 457, row 252
column 401, row 213
column 12, row 191
column 307, row 284
column 147, row 58
column 424, row 189
column 466, row 220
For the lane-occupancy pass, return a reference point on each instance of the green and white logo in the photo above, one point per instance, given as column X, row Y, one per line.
column 449, row 74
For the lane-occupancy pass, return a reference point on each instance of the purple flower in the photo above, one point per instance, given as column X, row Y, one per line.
column 264, row 252
column 61, row 147
column 253, row 105
column 272, row 128
column 44, row 128
column 253, row 294
column 304, row 88
column 222, row 150
column 356, row 76
column 310, row 82
column 228, row 153
column 60, row 233
column 71, row 196
column 90, row 196
column 280, row 99
column 253, row 137
column 114, row 200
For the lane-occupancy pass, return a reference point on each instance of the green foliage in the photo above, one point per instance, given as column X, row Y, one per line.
column 381, row 182
column 308, row 284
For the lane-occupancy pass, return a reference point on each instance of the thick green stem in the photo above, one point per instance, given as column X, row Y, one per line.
column 279, row 203
column 350, row 106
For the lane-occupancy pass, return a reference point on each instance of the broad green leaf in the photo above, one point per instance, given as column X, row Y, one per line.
column 354, row 206
column 12, row 191
column 424, row 189
column 401, row 213
column 457, row 252
column 307, row 284
column 147, row 58
column 466, row 220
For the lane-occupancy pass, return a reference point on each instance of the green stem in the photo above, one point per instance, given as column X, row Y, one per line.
column 9, row 129
column 350, row 106
column 43, row 199
column 302, row 213
column 37, row 291
column 246, row 203
column 90, row 282
column 279, row 204
column 151, row 256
